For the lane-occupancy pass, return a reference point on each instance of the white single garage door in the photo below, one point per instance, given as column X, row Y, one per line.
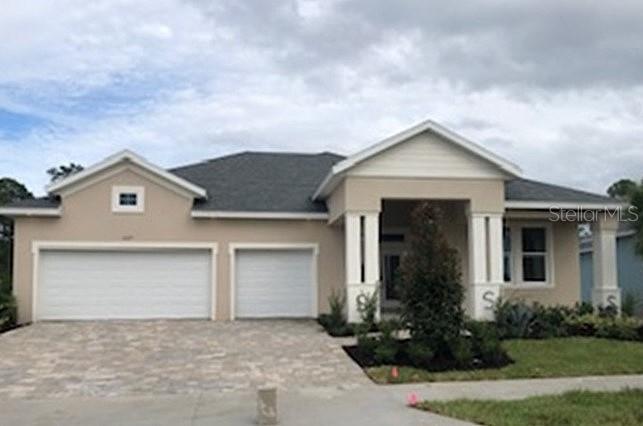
column 274, row 283
column 124, row 284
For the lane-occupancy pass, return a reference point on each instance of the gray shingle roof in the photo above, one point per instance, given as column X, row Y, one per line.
column 531, row 190
column 285, row 182
column 261, row 181
column 35, row 203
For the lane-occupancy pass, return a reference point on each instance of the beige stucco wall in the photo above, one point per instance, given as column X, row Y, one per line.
column 367, row 193
column 566, row 287
column 87, row 216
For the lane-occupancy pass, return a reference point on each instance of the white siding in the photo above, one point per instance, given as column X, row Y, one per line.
column 427, row 155
column 124, row 285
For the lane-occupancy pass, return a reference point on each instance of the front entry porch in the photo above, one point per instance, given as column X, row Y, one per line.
column 376, row 242
column 509, row 254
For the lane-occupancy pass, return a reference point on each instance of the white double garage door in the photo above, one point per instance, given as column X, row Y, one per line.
column 176, row 283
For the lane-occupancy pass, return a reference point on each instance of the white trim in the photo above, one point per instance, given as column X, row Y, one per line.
column 517, row 282
column 100, row 177
column 30, row 211
column 589, row 240
column 314, row 247
column 546, row 205
column 328, row 183
column 132, row 157
column 139, row 191
column 38, row 246
column 219, row 214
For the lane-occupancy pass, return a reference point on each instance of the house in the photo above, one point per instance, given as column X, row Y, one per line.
column 629, row 265
column 273, row 234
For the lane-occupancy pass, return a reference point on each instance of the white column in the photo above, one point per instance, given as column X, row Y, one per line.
column 371, row 248
column 358, row 284
column 485, row 264
column 496, row 263
column 605, row 291
column 352, row 249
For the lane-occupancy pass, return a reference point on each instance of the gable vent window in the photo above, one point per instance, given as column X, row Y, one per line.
column 128, row 199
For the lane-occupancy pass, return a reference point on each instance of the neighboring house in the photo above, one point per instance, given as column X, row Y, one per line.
column 629, row 269
column 273, row 234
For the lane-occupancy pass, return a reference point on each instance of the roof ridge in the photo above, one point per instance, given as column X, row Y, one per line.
column 246, row 152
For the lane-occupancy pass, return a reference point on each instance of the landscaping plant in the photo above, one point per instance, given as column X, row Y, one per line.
column 7, row 306
column 431, row 293
column 335, row 321
column 630, row 305
column 519, row 320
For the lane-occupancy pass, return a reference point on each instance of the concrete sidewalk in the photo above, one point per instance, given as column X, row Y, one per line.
column 366, row 406
column 515, row 389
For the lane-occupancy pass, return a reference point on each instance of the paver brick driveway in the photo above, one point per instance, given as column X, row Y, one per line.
column 167, row 357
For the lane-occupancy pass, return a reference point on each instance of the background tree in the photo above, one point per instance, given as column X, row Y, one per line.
column 631, row 192
column 430, row 289
column 10, row 191
column 622, row 189
column 62, row 171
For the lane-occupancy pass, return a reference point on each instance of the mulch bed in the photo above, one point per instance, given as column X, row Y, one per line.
column 436, row 364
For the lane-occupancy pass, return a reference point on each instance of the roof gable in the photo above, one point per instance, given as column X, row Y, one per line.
column 427, row 155
column 465, row 146
column 126, row 156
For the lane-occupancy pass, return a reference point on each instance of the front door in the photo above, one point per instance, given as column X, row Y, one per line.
column 391, row 257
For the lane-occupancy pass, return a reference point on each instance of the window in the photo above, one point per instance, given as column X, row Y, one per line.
column 506, row 244
column 534, row 254
column 128, row 199
column 528, row 254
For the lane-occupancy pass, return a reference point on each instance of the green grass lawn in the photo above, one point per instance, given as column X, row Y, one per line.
column 623, row 408
column 564, row 357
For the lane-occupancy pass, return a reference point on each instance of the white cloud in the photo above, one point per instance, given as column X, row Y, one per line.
column 180, row 82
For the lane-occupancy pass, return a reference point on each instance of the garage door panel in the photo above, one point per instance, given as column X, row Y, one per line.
column 274, row 283
column 124, row 285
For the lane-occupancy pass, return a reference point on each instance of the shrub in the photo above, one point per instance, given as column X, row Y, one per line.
column 535, row 321
column 388, row 346
column 606, row 327
column 366, row 344
column 549, row 321
column 335, row 321
column 630, row 305
column 618, row 328
column 462, row 352
column 608, row 311
column 419, row 353
column 367, row 305
column 513, row 319
column 583, row 325
column 7, row 311
column 430, row 291
column 583, row 308
column 486, row 344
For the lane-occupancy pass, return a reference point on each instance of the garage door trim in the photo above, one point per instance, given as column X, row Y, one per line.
column 313, row 247
column 38, row 246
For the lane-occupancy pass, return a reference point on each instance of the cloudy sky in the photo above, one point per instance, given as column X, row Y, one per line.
column 556, row 88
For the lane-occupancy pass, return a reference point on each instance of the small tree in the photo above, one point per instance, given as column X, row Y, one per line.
column 430, row 287
column 10, row 191
column 63, row 171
